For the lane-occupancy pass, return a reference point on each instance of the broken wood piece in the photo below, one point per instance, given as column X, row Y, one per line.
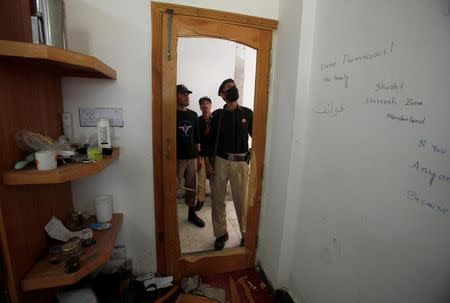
column 234, row 292
column 248, row 293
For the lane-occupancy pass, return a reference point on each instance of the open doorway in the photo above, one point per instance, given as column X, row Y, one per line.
column 199, row 69
column 169, row 24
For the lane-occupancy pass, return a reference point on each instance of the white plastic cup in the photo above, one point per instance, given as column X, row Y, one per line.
column 45, row 159
column 104, row 208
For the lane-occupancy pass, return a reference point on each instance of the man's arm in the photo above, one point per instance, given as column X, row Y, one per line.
column 196, row 133
column 250, row 122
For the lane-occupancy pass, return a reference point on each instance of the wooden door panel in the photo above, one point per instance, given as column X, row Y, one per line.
column 195, row 27
column 170, row 22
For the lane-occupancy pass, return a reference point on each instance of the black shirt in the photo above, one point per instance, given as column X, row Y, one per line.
column 187, row 134
column 236, row 125
column 205, row 132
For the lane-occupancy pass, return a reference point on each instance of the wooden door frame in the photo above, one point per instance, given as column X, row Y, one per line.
column 169, row 258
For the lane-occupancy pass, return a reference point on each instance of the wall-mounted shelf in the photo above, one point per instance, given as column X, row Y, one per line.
column 65, row 173
column 46, row 275
column 66, row 62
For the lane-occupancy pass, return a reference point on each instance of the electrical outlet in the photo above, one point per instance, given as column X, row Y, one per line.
column 89, row 116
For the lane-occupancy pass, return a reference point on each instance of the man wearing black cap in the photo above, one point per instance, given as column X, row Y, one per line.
column 188, row 145
column 230, row 128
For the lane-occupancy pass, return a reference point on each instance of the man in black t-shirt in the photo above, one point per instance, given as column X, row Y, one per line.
column 230, row 130
column 188, row 145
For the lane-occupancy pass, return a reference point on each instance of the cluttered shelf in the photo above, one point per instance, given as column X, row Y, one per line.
column 65, row 173
column 46, row 275
column 69, row 63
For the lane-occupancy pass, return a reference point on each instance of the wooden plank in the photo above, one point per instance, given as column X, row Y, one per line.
column 167, row 295
column 247, row 291
column 169, row 147
column 157, row 137
column 191, row 27
column 67, row 63
column 190, row 298
column 45, row 275
column 258, row 143
column 213, row 262
column 24, row 210
column 233, row 291
column 16, row 20
column 230, row 18
column 65, row 173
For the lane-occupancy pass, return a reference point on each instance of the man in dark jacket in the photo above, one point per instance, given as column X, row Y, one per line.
column 230, row 130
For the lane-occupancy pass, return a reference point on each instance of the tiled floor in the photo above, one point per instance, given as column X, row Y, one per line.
column 194, row 239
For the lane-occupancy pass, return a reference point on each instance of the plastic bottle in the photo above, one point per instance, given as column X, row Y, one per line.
column 104, row 133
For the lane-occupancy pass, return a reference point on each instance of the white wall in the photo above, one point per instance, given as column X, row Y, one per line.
column 202, row 64
column 358, row 237
column 119, row 33
column 292, row 60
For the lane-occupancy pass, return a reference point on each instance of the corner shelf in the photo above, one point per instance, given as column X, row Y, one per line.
column 46, row 275
column 64, row 173
column 69, row 63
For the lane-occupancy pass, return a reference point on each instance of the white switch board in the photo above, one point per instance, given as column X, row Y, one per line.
column 89, row 116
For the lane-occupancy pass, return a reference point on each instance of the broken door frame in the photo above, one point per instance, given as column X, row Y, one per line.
column 164, row 41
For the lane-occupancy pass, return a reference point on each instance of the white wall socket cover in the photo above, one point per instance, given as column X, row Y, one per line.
column 89, row 116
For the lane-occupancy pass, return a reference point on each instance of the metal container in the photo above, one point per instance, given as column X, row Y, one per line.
column 52, row 22
column 73, row 248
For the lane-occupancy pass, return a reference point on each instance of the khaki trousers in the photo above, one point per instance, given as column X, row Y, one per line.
column 201, row 184
column 187, row 169
column 237, row 173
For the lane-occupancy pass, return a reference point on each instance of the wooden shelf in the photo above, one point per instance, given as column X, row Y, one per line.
column 69, row 63
column 45, row 275
column 64, row 173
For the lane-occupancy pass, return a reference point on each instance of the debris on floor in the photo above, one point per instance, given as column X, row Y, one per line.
column 194, row 285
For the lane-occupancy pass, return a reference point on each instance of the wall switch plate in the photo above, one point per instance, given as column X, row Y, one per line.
column 89, row 116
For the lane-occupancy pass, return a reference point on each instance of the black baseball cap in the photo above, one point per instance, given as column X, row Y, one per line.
column 182, row 89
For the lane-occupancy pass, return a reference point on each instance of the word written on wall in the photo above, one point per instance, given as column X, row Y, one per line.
column 386, row 95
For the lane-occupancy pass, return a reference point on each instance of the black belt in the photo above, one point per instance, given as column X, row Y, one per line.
column 233, row 157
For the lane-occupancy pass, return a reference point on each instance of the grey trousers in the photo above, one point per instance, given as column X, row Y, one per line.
column 187, row 169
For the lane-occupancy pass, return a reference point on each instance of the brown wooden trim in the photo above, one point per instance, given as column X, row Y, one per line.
column 16, row 20
column 7, row 260
column 231, row 18
column 189, row 23
column 206, row 263
column 259, row 141
column 169, row 147
column 193, row 27
column 69, row 63
column 46, row 275
column 157, row 137
column 65, row 173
